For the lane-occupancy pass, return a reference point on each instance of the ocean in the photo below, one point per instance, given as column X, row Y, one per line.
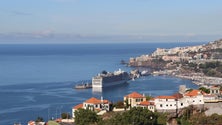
column 38, row 79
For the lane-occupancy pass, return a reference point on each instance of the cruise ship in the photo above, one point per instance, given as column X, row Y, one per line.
column 106, row 79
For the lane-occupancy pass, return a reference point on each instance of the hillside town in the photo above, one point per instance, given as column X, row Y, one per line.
column 171, row 104
column 162, row 103
column 202, row 63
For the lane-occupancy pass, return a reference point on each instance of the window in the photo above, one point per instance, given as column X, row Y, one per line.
column 167, row 105
column 193, row 100
column 137, row 100
column 161, row 105
column 200, row 100
column 181, row 104
column 170, row 104
column 166, row 99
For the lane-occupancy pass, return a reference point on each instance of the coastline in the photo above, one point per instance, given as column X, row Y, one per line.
column 196, row 78
column 201, row 63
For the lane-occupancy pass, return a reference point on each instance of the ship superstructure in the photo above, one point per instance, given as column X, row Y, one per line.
column 106, row 79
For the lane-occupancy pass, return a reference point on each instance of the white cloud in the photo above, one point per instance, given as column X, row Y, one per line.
column 15, row 12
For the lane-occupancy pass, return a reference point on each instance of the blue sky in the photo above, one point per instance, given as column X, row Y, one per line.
column 76, row 21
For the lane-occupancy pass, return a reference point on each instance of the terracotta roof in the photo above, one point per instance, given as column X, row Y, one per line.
column 146, row 103
column 214, row 87
column 178, row 95
column 58, row 120
column 31, row 123
column 94, row 100
column 134, row 95
column 209, row 95
column 166, row 97
column 192, row 93
column 78, row 106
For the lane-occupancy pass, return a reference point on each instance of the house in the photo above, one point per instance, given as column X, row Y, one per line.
column 181, row 101
column 214, row 90
column 147, row 104
column 96, row 104
column 93, row 104
column 34, row 123
column 79, row 106
column 133, row 99
column 31, row 123
column 194, row 97
column 165, row 103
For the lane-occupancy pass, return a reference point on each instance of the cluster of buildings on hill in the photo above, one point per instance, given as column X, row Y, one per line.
column 172, row 104
column 184, row 62
column 200, row 53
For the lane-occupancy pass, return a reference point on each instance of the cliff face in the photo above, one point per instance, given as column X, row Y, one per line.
column 151, row 63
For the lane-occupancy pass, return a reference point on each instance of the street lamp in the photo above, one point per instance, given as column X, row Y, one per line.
column 151, row 118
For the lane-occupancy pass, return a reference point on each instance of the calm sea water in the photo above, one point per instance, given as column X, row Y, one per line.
column 37, row 80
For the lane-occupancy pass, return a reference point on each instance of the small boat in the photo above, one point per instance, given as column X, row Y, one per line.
column 145, row 73
column 83, row 86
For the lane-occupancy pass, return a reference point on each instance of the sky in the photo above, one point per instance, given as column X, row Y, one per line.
column 92, row 21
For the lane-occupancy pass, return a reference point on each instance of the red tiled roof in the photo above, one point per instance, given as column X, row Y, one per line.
column 31, row 123
column 94, row 100
column 166, row 97
column 192, row 93
column 78, row 106
column 134, row 95
column 214, row 87
column 178, row 95
column 58, row 120
column 145, row 103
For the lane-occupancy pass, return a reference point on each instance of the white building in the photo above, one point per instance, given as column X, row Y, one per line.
column 134, row 98
column 93, row 104
column 179, row 101
column 147, row 104
column 165, row 103
column 194, row 97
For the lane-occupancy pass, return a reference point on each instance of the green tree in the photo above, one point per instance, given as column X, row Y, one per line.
column 211, row 72
column 39, row 119
column 138, row 116
column 127, row 105
column 205, row 90
column 148, row 97
column 119, row 104
column 65, row 115
column 85, row 117
column 161, row 118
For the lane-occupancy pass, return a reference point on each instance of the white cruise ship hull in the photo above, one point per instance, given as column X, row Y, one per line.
column 109, row 84
column 107, row 79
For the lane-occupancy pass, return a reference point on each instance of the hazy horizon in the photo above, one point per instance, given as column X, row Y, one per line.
column 99, row 21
